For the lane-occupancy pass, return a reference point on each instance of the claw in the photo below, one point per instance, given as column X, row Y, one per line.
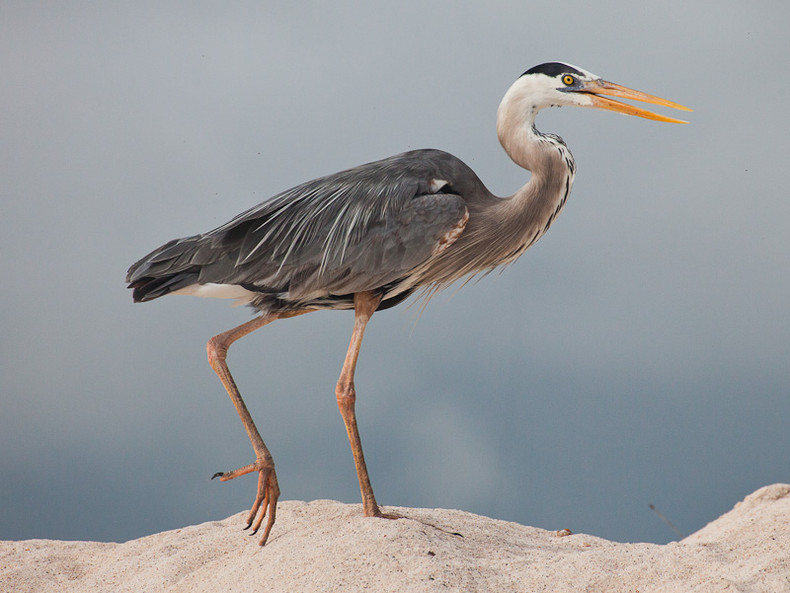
column 265, row 498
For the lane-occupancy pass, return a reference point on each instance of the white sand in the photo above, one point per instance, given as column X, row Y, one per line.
column 327, row 546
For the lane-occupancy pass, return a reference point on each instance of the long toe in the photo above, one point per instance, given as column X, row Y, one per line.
column 225, row 476
column 265, row 504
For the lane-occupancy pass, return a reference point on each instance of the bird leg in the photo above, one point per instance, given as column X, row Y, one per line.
column 268, row 489
column 365, row 303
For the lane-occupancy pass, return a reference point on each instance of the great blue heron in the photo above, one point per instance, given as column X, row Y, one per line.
column 367, row 238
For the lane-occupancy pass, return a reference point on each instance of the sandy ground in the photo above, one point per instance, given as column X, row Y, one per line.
column 328, row 546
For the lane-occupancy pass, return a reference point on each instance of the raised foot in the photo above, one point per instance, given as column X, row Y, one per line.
column 265, row 499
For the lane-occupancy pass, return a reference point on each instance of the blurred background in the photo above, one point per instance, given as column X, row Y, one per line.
column 638, row 354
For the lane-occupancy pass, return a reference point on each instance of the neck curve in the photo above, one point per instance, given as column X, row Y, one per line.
column 531, row 210
column 523, row 143
column 501, row 229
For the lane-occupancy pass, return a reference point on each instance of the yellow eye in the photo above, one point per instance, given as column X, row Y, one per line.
column 568, row 79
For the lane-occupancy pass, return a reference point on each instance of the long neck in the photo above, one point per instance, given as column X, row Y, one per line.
column 545, row 155
column 529, row 212
column 501, row 229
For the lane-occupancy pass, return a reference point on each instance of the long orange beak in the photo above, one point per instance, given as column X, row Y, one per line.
column 603, row 87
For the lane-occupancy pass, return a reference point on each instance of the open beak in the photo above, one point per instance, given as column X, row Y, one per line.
column 597, row 88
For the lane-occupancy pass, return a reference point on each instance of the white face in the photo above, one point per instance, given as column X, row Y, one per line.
column 558, row 86
column 553, row 88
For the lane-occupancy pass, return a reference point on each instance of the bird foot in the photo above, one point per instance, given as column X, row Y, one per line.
column 372, row 510
column 265, row 499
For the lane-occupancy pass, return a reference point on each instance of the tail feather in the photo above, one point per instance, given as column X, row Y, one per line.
column 148, row 289
column 164, row 270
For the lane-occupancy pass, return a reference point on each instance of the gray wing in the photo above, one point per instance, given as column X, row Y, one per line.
column 356, row 230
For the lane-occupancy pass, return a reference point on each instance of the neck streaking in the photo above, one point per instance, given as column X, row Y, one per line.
column 530, row 212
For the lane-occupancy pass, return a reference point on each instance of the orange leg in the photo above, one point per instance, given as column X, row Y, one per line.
column 365, row 303
column 268, row 489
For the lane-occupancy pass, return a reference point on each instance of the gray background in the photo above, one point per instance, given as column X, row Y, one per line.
column 637, row 354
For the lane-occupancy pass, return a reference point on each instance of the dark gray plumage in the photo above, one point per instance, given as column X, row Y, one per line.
column 317, row 244
column 368, row 237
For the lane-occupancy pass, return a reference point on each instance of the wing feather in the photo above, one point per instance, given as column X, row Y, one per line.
column 356, row 230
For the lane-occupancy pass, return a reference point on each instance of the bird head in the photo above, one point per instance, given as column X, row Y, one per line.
column 555, row 84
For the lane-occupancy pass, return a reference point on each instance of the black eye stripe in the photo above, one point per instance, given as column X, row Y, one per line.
column 553, row 69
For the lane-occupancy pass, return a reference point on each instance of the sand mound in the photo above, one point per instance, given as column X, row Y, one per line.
column 327, row 546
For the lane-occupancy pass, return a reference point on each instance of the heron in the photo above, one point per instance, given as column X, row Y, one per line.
column 367, row 238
